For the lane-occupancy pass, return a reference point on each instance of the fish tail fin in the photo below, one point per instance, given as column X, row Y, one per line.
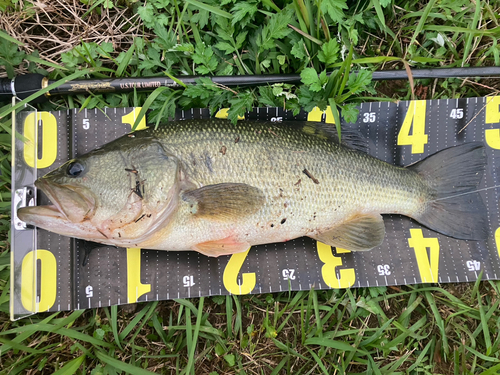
column 456, row 209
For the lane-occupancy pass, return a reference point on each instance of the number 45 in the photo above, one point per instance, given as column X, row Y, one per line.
column 457, row 113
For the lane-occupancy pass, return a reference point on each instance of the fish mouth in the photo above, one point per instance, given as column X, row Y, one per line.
column 70, row 203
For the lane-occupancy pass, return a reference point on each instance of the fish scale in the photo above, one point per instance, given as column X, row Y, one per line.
column 218, row 188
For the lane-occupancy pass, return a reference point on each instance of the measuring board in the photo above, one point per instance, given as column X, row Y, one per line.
column 48, row 271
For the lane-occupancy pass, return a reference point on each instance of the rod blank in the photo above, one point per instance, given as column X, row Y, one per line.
column 26, row 85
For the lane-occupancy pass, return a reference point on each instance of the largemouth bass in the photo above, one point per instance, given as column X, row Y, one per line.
column 218, row 188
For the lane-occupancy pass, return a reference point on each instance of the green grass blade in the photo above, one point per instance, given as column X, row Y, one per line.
column 209, row 330
column 420, row 59
column 319, row 331
column 9, row 345
column 114, row 325
column 280, row 365
column 7, row 37
column 377, row 334
column 133, row 323
column 318, row 361
column 176, row 80
column 71, row 367
column 147, row 104
column 78, row 74
column 306, row 35
column 484, row 357
column 421, row 358
column 484, row 325
column 152, row 307
column 271, row 5
column 336, row 115
column 371, row 60
column 492, row 370
column 473, row 26
column 94, row 5
column 191, row 346
column 373, row 368
column 421, row 23
column 380, row 13
column 122, row 366
column 404, row 318
column 439, row 321
column 40, row 61
column 447, row 29
column 194, row 28
column 159, row 329
column 126, row 60
column 302, row 10
column 229, row 316
column 194, row 343
column 339, row 345
column 408, row 332
column 345, row 71
column 287, row 349
column 210, row 8
column 238, row 321
column 40, row 327
column 187, row 304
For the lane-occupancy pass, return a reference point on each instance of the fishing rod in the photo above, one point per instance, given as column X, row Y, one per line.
column 26, row 85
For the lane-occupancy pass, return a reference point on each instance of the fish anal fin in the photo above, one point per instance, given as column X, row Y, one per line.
column 224, row 246
column 227, row 201
column 360, row 233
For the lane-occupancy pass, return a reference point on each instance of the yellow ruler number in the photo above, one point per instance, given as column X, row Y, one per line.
column 48, row 136
column 230, row 276
column 316, row 114
column 412, row 131
column 331, row 262
column 223, row 113
column 48, row 281
column 497, row 240
column 428, row 265
column 492, row 136
column 130, row 119
column 135, row 288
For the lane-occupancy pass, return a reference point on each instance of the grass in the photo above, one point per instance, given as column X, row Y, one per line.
column 426, row 329
column 417, row 330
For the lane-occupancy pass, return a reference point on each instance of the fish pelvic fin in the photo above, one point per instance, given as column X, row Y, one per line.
column 224, row 246
column 360, row 233
column 456, row 209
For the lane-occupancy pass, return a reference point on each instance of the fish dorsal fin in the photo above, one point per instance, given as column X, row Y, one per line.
column 225, row 246
column 350, row 137
column 360, row 233
column 227, row 201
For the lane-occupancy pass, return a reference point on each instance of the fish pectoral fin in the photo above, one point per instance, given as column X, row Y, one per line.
column 227, row 201
column 361, row 233
column 225, row 246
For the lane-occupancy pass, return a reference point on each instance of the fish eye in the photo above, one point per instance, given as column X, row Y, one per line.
column 75, row 169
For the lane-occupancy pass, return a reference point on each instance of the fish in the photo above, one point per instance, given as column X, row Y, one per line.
column 218, row 188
